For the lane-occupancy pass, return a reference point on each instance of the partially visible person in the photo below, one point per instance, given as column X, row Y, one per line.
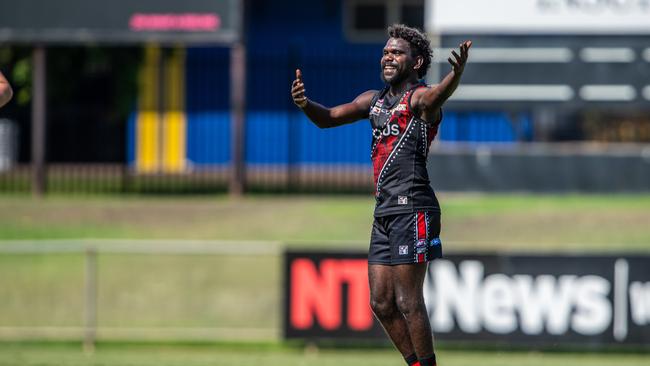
column 5, row 90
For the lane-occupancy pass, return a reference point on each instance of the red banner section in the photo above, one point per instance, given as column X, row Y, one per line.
column 327, row 295
column 317, row 293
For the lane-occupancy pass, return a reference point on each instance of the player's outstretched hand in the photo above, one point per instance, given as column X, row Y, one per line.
column 458, row 62
column 298, row 90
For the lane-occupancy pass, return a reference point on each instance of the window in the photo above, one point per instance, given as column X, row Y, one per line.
column 367, row 20
column 369, row 17
column 413, row 15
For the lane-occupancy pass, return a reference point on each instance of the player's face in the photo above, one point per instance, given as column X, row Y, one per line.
column 397, row 62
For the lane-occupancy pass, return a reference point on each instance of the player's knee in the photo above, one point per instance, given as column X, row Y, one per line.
column 383, row 307
column 408, row 305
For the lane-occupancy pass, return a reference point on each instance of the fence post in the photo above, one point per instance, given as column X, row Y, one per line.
column 238, row 118
column 90, row 303
column 39, row 115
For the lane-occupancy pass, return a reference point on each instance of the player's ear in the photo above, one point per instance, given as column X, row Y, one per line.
column 419, row 61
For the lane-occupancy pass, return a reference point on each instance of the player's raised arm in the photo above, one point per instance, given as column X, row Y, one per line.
column 432, row 99
column 5, row 90
column 324, row 117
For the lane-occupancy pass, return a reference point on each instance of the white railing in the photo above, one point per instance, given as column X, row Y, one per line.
column 90, row 331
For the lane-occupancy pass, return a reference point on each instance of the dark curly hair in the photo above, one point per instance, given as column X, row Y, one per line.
column 418, row 41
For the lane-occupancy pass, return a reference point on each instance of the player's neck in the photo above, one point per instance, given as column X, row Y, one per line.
column 401, row 87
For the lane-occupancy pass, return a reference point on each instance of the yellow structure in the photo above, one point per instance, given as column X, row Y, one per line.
column 161, row 137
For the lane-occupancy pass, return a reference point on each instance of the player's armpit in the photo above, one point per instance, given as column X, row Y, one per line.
column 432, row 118
column 363, row 101
column 425, row 100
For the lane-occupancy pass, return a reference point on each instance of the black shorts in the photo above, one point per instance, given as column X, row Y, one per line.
column 405, row 238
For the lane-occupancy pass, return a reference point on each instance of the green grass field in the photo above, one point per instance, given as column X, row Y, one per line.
column 470, row 222
column 219, row 355
column 166, row 291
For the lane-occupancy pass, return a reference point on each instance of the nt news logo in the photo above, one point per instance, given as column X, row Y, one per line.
column 520, row 299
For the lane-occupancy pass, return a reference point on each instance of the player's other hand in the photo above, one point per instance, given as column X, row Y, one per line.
column 458, row 62
column 298, row 90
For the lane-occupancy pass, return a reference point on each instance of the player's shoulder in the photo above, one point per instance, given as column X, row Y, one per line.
column 367, row 98
column 422, row 87
column 417, row 92
column 369, row 93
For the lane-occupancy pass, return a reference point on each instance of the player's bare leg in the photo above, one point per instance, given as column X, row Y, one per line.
column 408, row 280
column 384, row 306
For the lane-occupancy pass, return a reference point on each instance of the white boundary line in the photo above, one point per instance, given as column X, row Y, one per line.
column 139, row 333
column 260, row 247
column 153, row 246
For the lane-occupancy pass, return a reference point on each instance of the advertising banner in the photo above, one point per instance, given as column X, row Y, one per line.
column 538, row 16
column 519, row 299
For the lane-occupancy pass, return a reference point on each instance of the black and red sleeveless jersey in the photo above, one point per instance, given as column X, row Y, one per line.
column 400, row 145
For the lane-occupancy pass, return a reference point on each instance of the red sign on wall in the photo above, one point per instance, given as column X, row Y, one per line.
column 328, row 296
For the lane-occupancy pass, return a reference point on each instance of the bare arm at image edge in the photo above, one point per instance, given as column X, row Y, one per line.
column 5, row 91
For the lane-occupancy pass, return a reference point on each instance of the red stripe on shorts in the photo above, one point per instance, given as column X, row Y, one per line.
column 422, row 226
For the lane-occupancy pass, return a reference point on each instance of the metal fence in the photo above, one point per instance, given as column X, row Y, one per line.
column 532, row 167
column 89, row 290
column 121, row 178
